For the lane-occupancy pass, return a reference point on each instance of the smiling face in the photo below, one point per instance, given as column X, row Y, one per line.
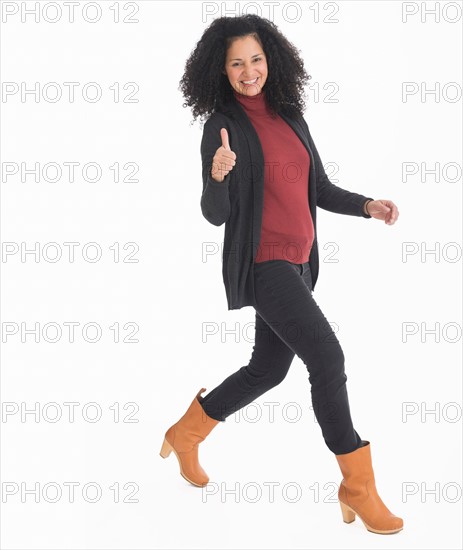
column 246, row 66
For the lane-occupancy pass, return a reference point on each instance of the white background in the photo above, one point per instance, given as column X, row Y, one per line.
column 369, row 129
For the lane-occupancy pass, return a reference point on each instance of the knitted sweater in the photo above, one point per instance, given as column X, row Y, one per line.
column 287, row 231
column 238, row 201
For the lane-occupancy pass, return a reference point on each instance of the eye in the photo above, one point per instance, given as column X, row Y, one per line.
column 256, row 59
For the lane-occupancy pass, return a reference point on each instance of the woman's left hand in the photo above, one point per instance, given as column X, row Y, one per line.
column 383, row 209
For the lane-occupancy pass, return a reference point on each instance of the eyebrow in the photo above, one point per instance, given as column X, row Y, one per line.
column 239, row 59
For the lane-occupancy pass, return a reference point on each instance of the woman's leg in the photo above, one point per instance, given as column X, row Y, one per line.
column 268, row 366
column 284, row 300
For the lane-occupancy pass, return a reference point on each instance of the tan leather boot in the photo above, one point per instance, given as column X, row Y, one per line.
column 357, row 493
column 184, row 437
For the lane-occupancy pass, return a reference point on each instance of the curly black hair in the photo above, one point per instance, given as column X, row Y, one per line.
column 206, row 88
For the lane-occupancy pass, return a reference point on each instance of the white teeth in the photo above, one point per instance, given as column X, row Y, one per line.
column 249, row 81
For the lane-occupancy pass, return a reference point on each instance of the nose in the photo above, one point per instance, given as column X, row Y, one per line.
column 247, row 75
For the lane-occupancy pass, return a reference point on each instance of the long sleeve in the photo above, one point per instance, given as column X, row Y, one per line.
column 215, row 199
column 331, row 197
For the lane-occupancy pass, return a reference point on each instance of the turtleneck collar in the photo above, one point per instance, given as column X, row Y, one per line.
column 253, row 104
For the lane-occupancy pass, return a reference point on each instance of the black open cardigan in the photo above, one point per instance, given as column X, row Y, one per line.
column 238, row 200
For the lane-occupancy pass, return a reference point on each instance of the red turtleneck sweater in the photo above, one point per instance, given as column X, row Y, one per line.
column 287, row 231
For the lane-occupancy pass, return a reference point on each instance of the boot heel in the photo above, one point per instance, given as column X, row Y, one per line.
column 347, row 514
column 166, row 449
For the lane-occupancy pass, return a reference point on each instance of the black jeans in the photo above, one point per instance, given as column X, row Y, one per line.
column 289, row 322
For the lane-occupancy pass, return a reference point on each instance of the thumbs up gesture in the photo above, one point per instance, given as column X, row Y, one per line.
column 224, row 159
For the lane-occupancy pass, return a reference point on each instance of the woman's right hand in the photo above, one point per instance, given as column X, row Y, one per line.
column 224, row 159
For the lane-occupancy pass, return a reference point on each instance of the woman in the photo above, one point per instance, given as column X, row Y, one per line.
column 249, row 78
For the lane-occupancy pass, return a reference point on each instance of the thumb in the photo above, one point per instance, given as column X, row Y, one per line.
column 224, row 136
column 382, row 207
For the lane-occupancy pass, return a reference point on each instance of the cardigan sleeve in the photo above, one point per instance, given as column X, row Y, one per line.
column 331, row 197
column 215, row 199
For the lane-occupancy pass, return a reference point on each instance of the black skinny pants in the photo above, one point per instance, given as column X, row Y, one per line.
column 289, row 322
